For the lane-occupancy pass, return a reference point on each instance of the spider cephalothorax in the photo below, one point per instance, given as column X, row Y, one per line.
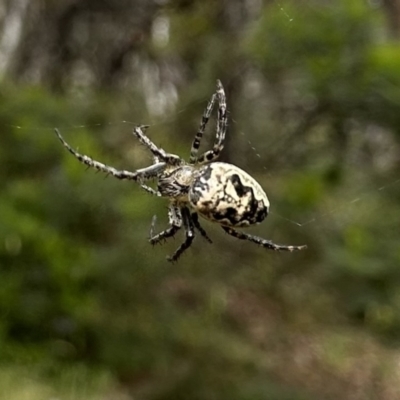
column 217, row 191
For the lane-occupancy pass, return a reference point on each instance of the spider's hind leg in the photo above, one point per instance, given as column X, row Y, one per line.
column 175, row 223
column 196, row 223
column 260, row 241
column 189, row 230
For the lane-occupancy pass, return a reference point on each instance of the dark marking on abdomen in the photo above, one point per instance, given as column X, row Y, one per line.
column 237, row 184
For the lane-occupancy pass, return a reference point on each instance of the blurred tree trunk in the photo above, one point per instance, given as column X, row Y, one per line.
column 12, row 24
column 392, row 10
column 86, row 41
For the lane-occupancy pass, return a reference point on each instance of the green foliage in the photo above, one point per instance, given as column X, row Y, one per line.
column 77, row 382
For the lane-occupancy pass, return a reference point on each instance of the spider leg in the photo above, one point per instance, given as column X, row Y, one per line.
column 189, row 229
column 260, row 241
column 196, row 223
column 150, row 190
column 158, row 152
column 175, row 223
column 197, row 139
column 139, row 175
column 222, row 125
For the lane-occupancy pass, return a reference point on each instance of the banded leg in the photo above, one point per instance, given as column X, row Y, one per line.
column 260, row 241
column 175, row 223
column 197, row 139
column 189, row 230
column 196, row 223
column 222, row 126
column 150, row 190
column 138, row 176
column 158, row 152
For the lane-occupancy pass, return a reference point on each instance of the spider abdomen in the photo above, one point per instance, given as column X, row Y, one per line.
column 228, row 195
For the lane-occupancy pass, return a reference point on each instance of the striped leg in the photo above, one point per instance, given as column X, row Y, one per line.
column 260, row 241
column 222, row 125
column 150, row 190
column 196, row 223
column 158, row 153
column 197, row 139
column 189, row 230
column 138, row 176
column 175, row 223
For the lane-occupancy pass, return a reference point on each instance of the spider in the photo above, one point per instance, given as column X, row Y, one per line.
column 217, row 191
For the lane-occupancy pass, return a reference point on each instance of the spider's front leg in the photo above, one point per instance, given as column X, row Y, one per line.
column 150, row 190
column 158, row 152
column 222, row 125
column 260, row 241
column 175, row 223
column 139, row 175
column 199, row 135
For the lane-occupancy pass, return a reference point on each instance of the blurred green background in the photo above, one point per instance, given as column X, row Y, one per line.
column 89, row 310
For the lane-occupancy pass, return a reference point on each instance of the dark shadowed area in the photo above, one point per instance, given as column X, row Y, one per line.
column 89, row 310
